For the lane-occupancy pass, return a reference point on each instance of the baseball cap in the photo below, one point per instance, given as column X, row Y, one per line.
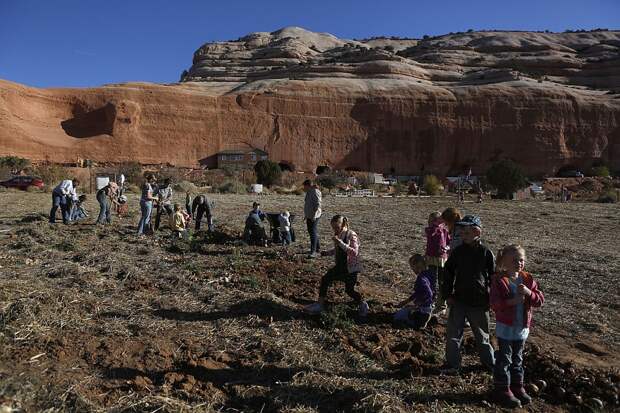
column 470, row 220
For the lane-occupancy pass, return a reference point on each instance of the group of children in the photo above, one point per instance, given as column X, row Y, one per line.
column 459, row 272
column 254, row 232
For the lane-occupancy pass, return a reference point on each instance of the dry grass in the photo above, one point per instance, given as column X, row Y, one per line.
column 96, row 319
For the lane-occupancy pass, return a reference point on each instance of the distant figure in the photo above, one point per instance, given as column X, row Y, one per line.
column 164, row 202
column 201, row 207
column 285, row 227
column 254, row 231
column 312, row 214
column 146, row 203
column 416, row 309
column 60, row 198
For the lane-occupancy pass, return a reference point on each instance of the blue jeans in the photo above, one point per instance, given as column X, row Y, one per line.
column 414, row 319
column 508, row 362
column 286, row 237
column 146, row 207
column 313, row 230
column 105, row 214
column 59, row 200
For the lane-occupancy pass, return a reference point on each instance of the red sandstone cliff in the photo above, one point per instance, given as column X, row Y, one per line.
column 543, row 99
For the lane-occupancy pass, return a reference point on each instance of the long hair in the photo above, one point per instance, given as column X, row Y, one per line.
column 341, row 219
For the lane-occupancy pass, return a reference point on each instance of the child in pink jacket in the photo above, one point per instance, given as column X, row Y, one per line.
column 437, row 241
column 514, row 294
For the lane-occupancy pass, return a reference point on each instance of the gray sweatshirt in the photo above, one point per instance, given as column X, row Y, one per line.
column 312, row 203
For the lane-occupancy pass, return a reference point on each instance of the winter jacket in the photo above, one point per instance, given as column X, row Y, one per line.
column 500, row 294
column 350, row 243
column 437, row 240
column 468, row 274
column 312, row 203
column 423, row 289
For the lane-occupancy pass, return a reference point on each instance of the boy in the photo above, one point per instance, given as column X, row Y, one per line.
column 468, row 274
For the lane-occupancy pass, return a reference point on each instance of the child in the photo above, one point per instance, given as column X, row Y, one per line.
column 79, row 211
column 514, row 294
column 254, row 232
column 467, row 279
column 347, row 268
column 417, row 316
column 450, row 217
column 285, row 227
column 437, row 240
column 178, row 222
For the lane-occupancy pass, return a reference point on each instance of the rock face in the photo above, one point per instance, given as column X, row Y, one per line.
column 385, row 104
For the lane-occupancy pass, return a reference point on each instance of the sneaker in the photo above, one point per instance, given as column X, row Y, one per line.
column 315, row 308
column 363, row 310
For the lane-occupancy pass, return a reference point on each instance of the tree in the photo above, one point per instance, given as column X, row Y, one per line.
column 507, row 177
column 267, row 172
column 432, row 185
column 14, row 163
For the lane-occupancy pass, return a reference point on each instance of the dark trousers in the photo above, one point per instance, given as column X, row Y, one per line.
column 59, row 200
column 160, row 210
column 200, row 212
column 440, row 302
column 508, row 362
column 286, row 237
column 479, row 321
column 414, row 319
column 349, row 279
column 313, row 231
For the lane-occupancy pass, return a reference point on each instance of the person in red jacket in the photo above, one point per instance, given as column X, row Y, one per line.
column 514, row 294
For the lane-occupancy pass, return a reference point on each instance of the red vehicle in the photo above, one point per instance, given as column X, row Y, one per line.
column 23, row 182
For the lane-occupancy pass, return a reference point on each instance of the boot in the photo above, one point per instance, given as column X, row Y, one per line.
column 504, row 397
column 519, row 392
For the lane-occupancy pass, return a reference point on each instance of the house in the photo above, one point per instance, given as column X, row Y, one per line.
column 240, row 158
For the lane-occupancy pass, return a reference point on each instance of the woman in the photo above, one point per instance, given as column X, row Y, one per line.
column 106, row 196
column 146, row 203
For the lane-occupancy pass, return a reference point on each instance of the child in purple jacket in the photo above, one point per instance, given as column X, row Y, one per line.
column 417, row 308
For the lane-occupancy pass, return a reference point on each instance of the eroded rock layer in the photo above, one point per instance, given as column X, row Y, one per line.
column 543, row 99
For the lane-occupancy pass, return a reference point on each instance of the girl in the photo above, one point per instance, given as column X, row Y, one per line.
column 450, row 217
column 285, row 227
column 146, row 203
column 513, row 295
column 417, row 316
column 347, row 268
column 437, row 240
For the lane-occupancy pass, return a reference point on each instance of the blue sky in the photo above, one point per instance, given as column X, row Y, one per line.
column 49, row 43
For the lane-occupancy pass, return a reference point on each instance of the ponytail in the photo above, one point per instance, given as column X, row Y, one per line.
column 341, row 218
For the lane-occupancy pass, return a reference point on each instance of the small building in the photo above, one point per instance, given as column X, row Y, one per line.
column 240, row 158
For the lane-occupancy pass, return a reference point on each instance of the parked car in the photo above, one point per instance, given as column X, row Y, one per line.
column 23, row 182
column 571, row 174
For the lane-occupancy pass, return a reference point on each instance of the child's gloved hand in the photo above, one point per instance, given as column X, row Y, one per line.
column 523, row 290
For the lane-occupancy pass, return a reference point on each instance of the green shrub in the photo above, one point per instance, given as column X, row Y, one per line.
column 507, row 177
column 432, row 185
column 132, row 171
column 132, row 188
column 185, row 186
column 232, row 186
column 609, row 197
column 329, row 180
column 50, row 173
column 267, row 172
column 600, row 171
column 14, row 163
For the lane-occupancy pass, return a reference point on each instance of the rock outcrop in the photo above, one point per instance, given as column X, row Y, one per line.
column 384, row 104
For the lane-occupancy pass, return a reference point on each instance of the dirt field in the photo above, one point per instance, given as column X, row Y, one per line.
column 95, row 319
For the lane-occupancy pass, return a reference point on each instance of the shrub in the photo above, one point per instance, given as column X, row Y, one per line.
column 132, row 171
column 50, row 173
column 267, row 172
column 185, row 186
column 507, row 177
column 609, row 197
column 329, row 180
column 432, row 185
column 132, row 188
column 14, row 163
column 600, row 171
column 232, row 186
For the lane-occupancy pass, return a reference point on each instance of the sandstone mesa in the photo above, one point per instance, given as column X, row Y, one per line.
column 382, row 104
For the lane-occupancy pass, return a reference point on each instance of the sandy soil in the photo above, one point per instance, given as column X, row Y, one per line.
column 94, row 318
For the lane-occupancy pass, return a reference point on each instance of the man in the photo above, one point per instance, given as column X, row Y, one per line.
column 164, row 201
column 312, row 214
column 467, row 280
column 254, row 232
column 201, row 206
column 60, row 198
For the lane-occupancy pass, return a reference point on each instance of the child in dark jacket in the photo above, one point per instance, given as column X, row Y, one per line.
column 418, row 314
column 514, row 294
column 467, row 280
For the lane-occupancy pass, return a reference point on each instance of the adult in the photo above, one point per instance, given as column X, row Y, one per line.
column 164, row 202
column 254, row 232
column 61, row 197
column 146, row 203
column 201, row 207
column 312, row 214
column 106, row 197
